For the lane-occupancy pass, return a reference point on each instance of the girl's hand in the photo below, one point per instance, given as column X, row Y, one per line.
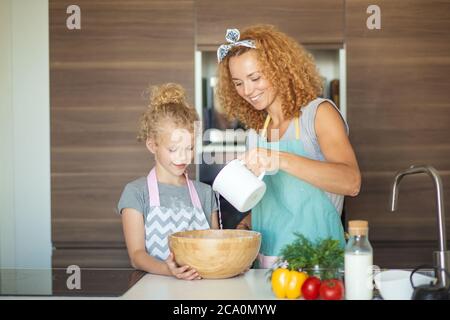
column 184, row 272
column 259, row 160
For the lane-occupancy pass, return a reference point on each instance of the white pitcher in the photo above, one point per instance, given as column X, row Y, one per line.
column 239, row 186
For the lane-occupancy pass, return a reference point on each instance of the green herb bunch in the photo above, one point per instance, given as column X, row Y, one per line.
column 305, row 254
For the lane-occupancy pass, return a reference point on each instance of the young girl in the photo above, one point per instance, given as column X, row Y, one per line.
column 166, row 201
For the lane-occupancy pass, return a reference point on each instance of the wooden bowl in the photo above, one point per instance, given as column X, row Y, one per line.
column 216, row 254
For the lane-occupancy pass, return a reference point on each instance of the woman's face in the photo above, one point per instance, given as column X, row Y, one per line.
column 249, row 81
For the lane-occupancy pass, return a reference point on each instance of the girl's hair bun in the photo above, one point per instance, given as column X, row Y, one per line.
column 168, row 93
column 167, row 102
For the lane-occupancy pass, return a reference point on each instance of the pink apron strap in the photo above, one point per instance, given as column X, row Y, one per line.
column 153, row 192
column 193, row 193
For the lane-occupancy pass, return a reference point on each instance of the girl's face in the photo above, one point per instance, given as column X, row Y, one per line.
column 249, row 81
column 174, row 149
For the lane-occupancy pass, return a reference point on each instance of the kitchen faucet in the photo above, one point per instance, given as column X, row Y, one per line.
column 441, row 257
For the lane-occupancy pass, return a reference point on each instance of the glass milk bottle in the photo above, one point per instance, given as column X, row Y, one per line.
column 358, row 262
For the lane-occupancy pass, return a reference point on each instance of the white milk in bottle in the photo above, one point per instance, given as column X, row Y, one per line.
column 358, row 262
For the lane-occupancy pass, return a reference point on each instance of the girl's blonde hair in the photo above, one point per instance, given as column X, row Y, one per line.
column 284, row 63
column 167, row 103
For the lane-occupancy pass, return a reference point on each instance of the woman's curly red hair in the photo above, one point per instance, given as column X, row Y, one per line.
column 284, row 63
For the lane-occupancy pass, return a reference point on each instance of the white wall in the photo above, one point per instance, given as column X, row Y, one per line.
column 7, row 248
column 25, row 220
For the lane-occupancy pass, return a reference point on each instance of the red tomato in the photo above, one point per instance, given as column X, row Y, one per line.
column 311, row 288
column 332, row 290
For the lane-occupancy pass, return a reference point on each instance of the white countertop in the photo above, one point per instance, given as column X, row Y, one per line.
column 250, row 286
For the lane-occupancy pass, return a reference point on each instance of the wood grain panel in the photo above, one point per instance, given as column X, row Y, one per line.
column 398, row 109
column 126, row 160
column 96, row 127
column 92, row 195
column 140, row 31
column 88, row 229
column 398, row 138
column 308, row 21
column 373, row 157
column 403, row 254
column 78, row 87
column 397, row 77
column 99, row 88
column 91, row 258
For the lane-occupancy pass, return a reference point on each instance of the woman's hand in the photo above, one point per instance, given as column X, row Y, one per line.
column 259, row 160
column 184, row 272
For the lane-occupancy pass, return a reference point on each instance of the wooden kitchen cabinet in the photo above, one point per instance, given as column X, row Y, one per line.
column 308, row 21
column 398, row 109
column 99, row 77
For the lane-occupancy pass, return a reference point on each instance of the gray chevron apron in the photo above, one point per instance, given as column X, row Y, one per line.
column 162, row 221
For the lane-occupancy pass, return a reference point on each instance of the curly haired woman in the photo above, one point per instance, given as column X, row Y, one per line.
column 271, row 84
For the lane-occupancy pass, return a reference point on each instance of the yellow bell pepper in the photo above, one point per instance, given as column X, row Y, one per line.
column 287, row 283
